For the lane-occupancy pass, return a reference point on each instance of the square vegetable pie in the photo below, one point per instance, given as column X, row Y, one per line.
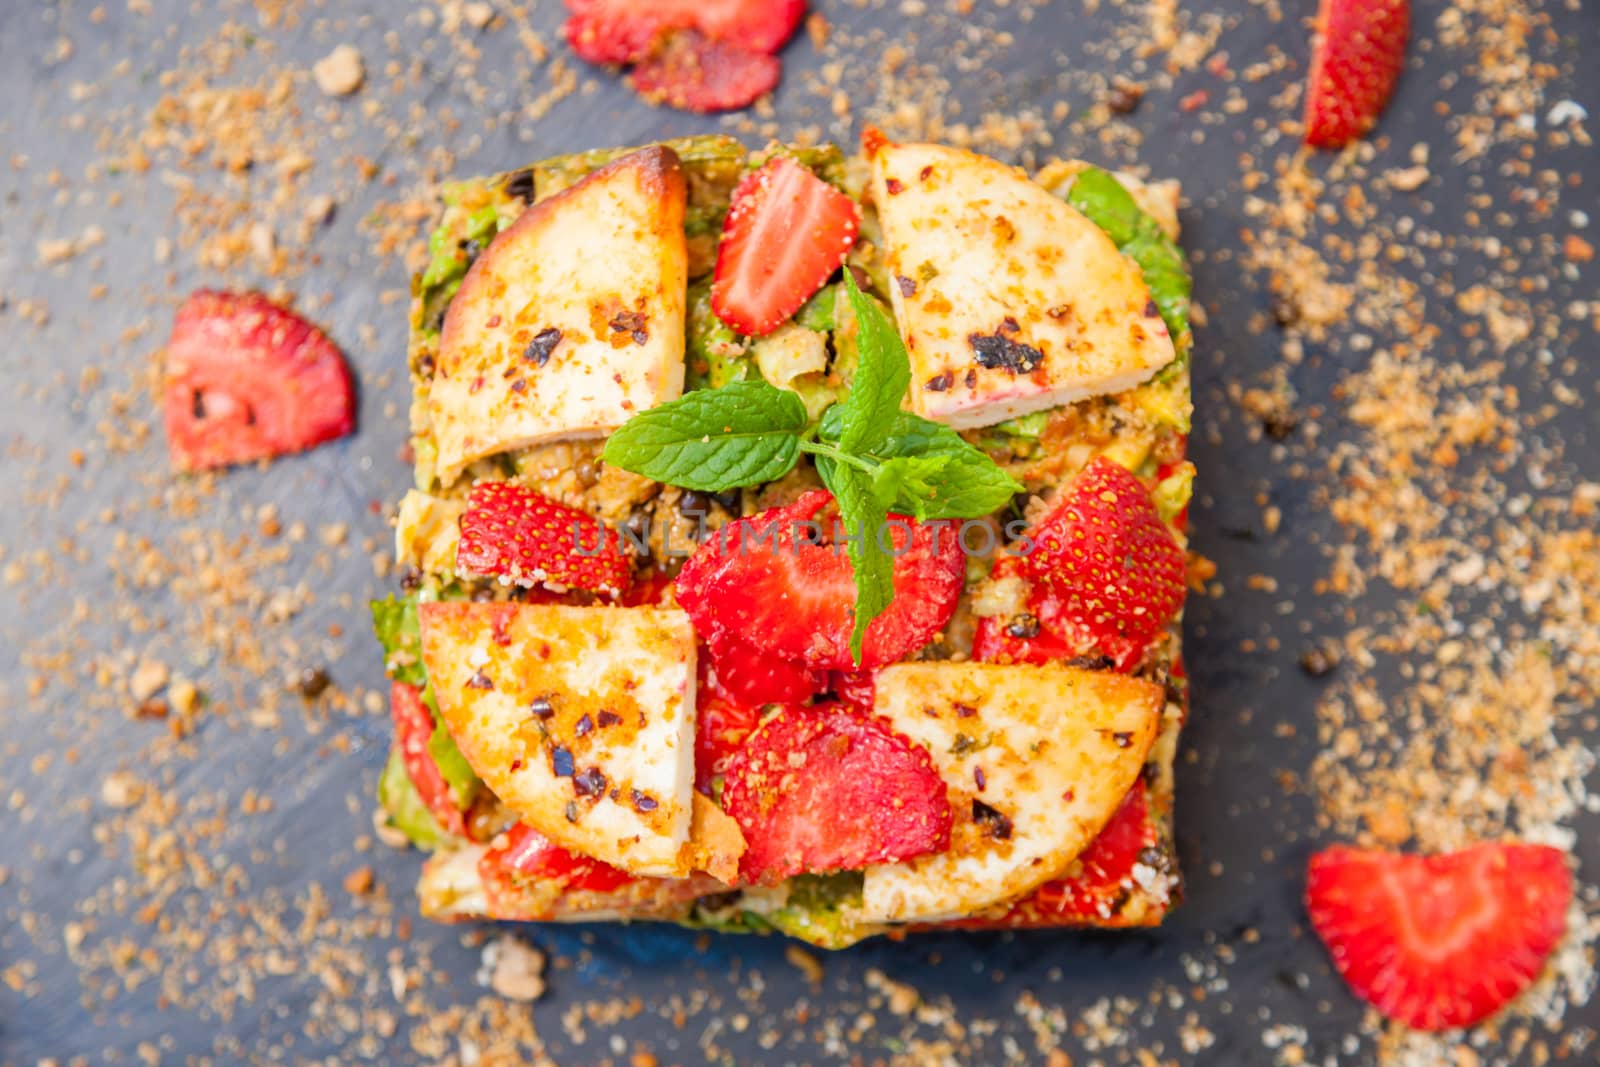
column 797, row 543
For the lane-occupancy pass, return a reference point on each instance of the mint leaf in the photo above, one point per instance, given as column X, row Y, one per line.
column 963, row 484
column 395, row 623
column 883, row 372
column 863, row 518
column 950, row 480
column 712, row 440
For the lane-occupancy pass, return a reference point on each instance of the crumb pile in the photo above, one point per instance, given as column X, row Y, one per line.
column 1399, row 643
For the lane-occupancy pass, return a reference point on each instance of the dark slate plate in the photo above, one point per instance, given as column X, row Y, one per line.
column 1235, row 961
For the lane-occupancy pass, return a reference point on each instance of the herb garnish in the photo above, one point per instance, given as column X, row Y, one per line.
column 872, row 456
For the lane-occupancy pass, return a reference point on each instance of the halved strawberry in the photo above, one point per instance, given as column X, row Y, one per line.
column 247, row 379
column 1440, row 942
column 823, row 789
column 764, row 580
column 749, row 675
column 721, row 727
column 693, row 72
column 626, row 31
column 1114, row 566
column 786, row 232
column 413, row 725
column 516, row 535
column 1358, row 53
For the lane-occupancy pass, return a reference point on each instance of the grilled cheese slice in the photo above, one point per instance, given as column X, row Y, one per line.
column 580, row 719
column 1010, row 301
column 571, row 320
column 1037, row 760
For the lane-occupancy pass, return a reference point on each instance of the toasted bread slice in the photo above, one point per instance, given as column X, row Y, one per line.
column 1037, row 760
column 581, row 720
column 571, row 320
column 1009, row 299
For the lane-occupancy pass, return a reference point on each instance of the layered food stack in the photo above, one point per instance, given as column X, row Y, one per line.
column 797, row 543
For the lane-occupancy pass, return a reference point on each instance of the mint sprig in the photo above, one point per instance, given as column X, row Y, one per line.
column 872, row 456
column 713, row 440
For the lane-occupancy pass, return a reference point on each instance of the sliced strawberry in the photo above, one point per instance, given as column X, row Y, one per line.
column 516, row 535
column 413, row 726
column 823, row 789
column 247, row 379
column 857, row 689
column 747, row 674
column 763, row 580
column 692, row 72
column 1116, row 570
column 721, row 727
column 1356, row 59
column 1440, row 942
column 786, row 232
column 626, row 31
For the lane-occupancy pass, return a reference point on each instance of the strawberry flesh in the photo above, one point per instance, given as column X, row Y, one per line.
column 721, row 727
column 824, row 789
column 1444, row 941
column 1357, row 58
column 514, row 534
column 627, row 31
column 247, row 379
column 413, row 726
column 693, row 72
column 786, row 232
column 749, row 675
column 1111, row 573
column 764, row 580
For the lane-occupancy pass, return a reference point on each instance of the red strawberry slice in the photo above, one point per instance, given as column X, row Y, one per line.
column 747, row 674
column 627, row 31
column 1356, row 60
column 1440, row 942
column 1114, row 566
column 763, row 580
column 692, row 72
column 514, row 534
column 247, row 379
column 786, row 232
column 721, row 727
column 823, row 789
column 857, row 689
column 413, row 725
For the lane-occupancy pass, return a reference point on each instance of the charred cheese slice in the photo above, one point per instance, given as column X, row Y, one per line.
column 1010, row 301
column 580, row 719
column 1037, row 759
column 571, row 321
